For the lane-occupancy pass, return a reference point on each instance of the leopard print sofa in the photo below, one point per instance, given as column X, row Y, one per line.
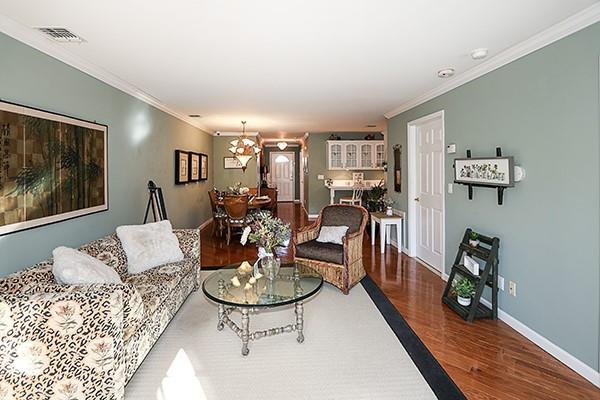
column 60, row 342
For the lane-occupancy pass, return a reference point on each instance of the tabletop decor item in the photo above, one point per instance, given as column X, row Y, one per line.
column 388, row 206
column 238, row 189
column 474, row 239
column 52, row 167
column 267, row 232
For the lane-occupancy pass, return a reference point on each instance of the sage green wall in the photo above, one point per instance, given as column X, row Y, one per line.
column 294, row 149
column 318, row 194
column 141, row 142
column 229, row 177
column 542, row 109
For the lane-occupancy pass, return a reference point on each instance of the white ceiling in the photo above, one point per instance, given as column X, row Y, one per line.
column 288, row 66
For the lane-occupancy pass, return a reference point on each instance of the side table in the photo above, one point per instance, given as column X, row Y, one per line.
column 385, row 223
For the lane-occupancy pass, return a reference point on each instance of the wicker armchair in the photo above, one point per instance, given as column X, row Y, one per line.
column 340, row 265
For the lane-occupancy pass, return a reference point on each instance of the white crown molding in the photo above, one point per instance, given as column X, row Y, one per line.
column 574, row 23
column 38, row 41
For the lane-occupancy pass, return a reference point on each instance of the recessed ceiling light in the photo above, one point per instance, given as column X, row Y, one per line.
column 195, row 116
column 371, row 126
column 446, row 72
column 479, row 54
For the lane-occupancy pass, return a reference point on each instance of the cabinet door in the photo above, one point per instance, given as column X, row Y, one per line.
column 366, row 155
column 351, row 154
column 379, row 155
column 335, row 156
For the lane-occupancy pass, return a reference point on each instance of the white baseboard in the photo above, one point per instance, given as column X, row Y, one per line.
column 395, row 244
column 557, row 352
column 297, row 201
column 205, row 224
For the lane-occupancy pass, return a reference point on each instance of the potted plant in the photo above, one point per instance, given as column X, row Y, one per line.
column 375, row 197
column 474, row 239
column 464, row 289
column 267, row 232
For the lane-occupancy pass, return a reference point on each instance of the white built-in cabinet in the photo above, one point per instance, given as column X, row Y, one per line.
column 355, row 154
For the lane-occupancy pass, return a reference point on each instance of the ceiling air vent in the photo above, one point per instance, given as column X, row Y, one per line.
column 62, row 35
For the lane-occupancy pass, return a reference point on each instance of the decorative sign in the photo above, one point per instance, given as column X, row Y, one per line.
column 494, row 171
column 52, row 168
column 231, row 163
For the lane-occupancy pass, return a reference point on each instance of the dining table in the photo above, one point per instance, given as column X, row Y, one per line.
column 255, row 202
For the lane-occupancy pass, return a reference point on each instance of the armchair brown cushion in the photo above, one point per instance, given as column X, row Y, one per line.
column 328, row 252
column 337, row 216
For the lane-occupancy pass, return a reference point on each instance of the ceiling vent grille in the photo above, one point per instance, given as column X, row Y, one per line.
column 62, row 35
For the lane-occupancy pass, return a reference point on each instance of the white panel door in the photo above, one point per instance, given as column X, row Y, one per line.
column 430, row 192
column 282, row 175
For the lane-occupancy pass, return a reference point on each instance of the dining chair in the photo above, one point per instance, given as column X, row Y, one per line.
column 236, row 208
column 272, row 193
column 218, row 213
column 356, row 199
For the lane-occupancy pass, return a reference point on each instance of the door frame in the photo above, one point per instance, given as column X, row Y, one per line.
column 411, row 129
column 272, row 157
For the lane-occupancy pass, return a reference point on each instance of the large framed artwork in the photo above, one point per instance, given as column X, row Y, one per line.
column 194, row 168
column 231, row 163
column 491, row 171
column 52, row 167
column 182, row 169
column 203, row 167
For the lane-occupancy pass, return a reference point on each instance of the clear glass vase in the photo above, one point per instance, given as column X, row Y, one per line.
column 270, row 265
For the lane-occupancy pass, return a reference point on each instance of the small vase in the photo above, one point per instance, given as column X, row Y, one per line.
column 389, row 212
column 270, row 265
column 464, row 301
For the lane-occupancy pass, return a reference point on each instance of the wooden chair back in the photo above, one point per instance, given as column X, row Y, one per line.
column 213, row 201
column 236, row 207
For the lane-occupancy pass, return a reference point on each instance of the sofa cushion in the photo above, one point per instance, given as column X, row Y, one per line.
column 339, row 215
column 108, row 250
column 72, row 267
column 328, row 252
column 155, row 285
column 149, row 245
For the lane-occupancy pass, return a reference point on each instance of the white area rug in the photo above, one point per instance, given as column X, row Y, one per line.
column 349, row 352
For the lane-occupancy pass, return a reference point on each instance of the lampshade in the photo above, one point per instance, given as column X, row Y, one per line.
column 282, row 145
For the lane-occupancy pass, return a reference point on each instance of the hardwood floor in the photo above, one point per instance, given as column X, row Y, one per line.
column 486, row 359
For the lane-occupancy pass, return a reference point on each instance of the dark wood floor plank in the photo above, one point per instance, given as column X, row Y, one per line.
column 486, row 359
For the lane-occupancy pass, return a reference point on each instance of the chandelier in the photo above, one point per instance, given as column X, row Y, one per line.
column 244, row 148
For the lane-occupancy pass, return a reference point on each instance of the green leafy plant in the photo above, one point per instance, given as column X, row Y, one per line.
column 376, row 197
column 463, row 287
column 474, row 235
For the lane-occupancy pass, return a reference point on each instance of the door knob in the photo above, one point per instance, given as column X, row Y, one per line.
column 417, row 199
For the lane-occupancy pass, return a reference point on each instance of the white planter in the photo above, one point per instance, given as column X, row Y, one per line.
column 474, row 243
column 464, row 301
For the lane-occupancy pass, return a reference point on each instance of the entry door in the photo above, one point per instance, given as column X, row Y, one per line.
column 282, row 175
column 429, row 199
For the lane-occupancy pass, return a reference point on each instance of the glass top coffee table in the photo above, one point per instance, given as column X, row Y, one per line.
column 235, row 288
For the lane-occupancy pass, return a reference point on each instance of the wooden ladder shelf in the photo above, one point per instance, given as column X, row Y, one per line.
column 486, row 251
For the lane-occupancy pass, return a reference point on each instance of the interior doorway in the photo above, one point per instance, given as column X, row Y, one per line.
column 426, row 203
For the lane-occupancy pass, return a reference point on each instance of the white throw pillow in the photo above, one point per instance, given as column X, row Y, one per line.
column 148, row 246
column 72, row 267
column 332, row 234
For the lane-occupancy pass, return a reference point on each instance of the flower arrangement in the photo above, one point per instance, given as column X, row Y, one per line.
column 238, row 189
column 267, row 232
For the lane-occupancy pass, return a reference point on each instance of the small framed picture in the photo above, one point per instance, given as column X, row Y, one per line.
column 492, row 171
column 231, row 163
column 182, row 160
column 194, row 167
column 203, row 167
